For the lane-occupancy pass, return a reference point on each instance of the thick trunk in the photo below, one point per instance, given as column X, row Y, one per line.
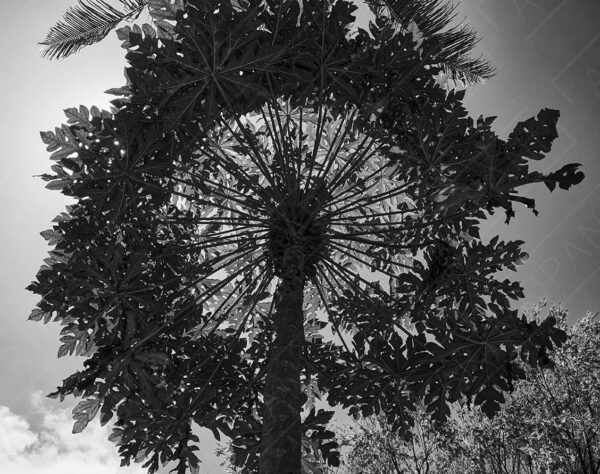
column 282, row 435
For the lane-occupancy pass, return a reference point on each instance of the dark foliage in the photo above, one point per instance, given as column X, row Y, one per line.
column 244, row 130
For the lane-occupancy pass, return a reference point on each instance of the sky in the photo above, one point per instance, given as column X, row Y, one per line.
column 546, row 54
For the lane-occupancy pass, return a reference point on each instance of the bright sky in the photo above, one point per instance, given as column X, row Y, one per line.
column 547, row 54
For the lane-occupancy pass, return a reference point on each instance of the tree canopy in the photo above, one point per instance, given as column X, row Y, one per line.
column 270, row 171
column 549, row 423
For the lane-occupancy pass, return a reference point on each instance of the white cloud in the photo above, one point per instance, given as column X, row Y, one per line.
column 51, row 448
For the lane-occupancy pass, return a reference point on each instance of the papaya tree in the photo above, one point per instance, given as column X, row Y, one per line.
column 279, row 205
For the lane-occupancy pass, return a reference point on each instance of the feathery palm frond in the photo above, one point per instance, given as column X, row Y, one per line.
column 433, row 18
column 87, row 23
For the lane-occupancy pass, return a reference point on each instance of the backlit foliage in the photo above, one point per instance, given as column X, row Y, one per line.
column 248, row 127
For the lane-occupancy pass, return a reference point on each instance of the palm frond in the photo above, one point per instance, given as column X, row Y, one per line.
column 434, row 18
column 87, row 23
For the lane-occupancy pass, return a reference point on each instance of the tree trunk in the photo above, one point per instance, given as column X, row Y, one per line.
column 282, row 433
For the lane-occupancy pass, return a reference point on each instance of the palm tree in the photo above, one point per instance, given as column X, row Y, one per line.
column 89, row 21
column 258, row 179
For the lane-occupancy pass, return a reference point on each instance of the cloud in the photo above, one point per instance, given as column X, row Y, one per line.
column 51, row 448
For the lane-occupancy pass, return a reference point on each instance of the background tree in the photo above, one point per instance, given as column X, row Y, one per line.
column 373, row 448
column 266, row 165
column 549, row 423
column 88, row 22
